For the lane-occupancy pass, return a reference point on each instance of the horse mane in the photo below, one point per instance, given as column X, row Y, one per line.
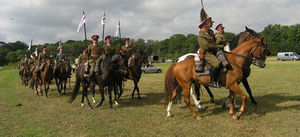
column 247, row 43
column 234, row 42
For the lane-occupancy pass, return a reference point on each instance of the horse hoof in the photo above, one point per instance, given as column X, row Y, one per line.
column 197, row 117
column 236, row 117
column 201, row 109
column 81, row 104
column 170, row 115
column 90, row 107
column 212, row 101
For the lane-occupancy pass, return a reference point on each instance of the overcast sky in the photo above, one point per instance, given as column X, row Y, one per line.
column 48, row 20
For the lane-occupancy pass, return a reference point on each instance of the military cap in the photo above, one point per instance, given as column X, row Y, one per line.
column 220, row 26
column 107, row 37
column 95, row 37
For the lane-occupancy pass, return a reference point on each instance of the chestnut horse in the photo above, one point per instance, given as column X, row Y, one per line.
column 182, row 74
column 44, row 78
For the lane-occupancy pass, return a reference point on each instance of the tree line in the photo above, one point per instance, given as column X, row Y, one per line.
column 280, row 38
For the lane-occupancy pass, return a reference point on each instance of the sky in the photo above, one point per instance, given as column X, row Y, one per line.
column 46, row 21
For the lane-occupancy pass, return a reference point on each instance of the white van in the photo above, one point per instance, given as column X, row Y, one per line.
column 281, row 56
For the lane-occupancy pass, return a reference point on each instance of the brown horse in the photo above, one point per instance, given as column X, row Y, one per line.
column 45, row 77
column 182, row 74
column 135, row 72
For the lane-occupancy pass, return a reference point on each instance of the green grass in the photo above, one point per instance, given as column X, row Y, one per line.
column 276, row 89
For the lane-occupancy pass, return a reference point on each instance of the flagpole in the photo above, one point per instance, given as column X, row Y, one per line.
column 120, row 29
column 84, row 32
column 103, row 27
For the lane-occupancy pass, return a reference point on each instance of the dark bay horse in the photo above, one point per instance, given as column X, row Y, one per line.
column 182, row 74
column 108, row 69
column 61, row 75
column 135, row 72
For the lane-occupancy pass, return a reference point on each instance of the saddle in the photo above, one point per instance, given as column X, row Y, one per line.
column 205, row 67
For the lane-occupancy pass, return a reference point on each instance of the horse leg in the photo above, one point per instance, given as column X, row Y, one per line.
column 197, row 102
column 186, row 93
column 116, row 94
column 65, row 86
column 197, row 90
column 212, row 100
column 173, row 96
column 85, row 94
column 247, row 87
column 121, row 89
column 235, row 88
column 110, row 96
column 82, row 98
column 57, row 85
column 138, row 89
column 231, row 100
column 101, row 89
column 134, row 88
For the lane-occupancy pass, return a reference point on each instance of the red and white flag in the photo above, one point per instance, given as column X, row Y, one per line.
column 82, row 21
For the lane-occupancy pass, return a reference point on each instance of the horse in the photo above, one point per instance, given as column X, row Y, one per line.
column 248, row 34
column 102, row 80
column 61, row 75
column 135, row 72
column 44, row 77
column 182, row 74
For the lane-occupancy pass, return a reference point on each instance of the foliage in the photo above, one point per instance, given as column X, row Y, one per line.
column 279, row 38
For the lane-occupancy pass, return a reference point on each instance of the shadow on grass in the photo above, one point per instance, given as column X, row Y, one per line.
column 146, row 99
column 266, row 104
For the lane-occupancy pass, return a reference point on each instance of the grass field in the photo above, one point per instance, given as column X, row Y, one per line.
column 276, row 89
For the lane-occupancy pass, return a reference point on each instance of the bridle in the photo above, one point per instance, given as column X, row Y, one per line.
column 251, row 59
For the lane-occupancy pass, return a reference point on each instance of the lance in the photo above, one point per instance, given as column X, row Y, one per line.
column 84, row 33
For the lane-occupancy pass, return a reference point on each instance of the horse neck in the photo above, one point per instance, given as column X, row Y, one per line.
column 244, row 50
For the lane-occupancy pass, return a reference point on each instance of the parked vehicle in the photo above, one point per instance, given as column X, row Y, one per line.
column 281, row 56
column 151, row 69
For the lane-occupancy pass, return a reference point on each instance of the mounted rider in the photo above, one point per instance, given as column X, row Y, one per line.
column 94, row 52
column 83, row 57
column 208, row 49
column 126, row 53
column 42, row 59
column 108, row 49
column 61, row 60
column 221, row 40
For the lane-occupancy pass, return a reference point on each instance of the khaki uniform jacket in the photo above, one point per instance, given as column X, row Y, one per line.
column 108, row 50
column 94, row 51
column 126, row 50
column 83, row 58
column 221, row 39
column 206, row 42
column 42, row 57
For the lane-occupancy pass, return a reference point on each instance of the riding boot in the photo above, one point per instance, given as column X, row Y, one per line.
column 213, row 78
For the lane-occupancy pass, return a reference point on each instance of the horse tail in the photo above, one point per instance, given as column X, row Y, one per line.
column 170, row 83
column 76, row 89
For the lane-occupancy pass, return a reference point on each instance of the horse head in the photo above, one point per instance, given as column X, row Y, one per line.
column 142, row 58
column 247, row 35
column 260, row 53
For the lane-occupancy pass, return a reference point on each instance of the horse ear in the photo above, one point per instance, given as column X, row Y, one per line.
column 246, row 28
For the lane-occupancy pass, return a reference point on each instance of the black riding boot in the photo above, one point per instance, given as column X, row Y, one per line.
column 213, row 78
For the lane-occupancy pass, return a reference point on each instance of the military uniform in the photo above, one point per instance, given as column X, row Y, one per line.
column 42, row 59
column 207, row 43
column 94, row 52
column 108, row 51
column 221, row 39
column 83, row 58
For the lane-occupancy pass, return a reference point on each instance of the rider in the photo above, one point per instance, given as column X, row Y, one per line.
column 83, row 57
column 60, row 59
column 209, row 47
column 107, row 48
column 125, row 52
column 42, row 59
column 94, row 52
column 220, row 38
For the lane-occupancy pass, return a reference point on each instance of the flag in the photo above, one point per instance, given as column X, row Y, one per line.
column 103, row 19
column 117, row 34
column 29, row 46
column 82, row 21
